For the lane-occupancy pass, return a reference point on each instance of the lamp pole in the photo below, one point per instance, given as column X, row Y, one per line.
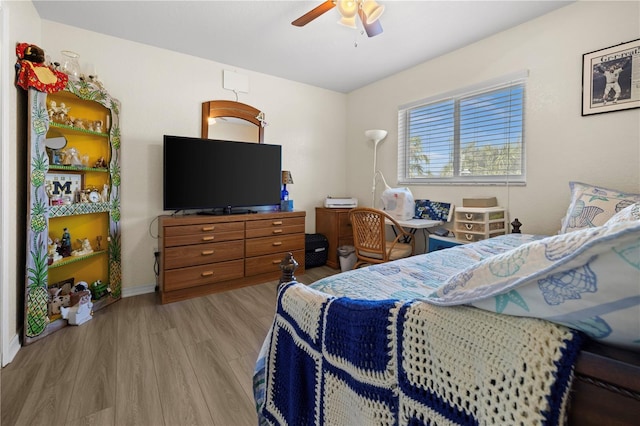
column 376, row 136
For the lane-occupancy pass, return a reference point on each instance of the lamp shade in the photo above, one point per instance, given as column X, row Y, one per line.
column 372, row 10
column 375, row 135
column 287, row 179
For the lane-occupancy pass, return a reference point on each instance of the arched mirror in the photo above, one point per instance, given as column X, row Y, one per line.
column 231, row 120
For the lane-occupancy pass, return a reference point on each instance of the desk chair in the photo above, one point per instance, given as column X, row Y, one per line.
column 370, row 241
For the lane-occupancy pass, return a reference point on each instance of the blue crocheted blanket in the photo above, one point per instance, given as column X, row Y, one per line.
column 336, row 360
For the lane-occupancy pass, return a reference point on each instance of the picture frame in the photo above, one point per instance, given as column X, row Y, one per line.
column 611, row 78
column 64, row 186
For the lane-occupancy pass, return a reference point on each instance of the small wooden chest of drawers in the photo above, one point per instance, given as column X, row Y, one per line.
column 207, row 254
column 477, row 223
column 336, row 226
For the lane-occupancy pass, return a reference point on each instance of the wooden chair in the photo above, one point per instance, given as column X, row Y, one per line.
column 370, row 241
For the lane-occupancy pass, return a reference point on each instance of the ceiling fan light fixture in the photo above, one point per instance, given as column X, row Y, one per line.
column 347, row 8
column 372, row 10
column 348, row 22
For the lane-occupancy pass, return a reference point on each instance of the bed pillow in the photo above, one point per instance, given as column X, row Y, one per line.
column 592, row 206
column 628, row 214
column 587, row 280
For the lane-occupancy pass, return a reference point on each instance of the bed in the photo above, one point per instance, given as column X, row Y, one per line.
column 517, row 329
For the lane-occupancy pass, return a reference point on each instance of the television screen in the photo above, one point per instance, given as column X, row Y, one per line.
column 213, row 174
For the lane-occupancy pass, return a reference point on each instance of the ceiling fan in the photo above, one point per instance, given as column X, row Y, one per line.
column 367, row 10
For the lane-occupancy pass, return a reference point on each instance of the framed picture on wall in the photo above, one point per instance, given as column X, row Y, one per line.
column 611, row 78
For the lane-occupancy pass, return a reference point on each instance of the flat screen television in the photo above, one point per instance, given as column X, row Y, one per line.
column 215, row 176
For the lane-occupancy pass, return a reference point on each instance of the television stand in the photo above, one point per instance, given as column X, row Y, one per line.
column 215, row 252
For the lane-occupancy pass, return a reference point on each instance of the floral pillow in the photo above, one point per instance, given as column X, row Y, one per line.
column 588, row 280
column 592, row 206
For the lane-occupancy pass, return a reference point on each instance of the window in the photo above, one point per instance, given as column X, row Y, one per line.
column 473, row 136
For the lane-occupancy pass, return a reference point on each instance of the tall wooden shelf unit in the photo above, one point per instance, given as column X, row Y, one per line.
column 96, row 137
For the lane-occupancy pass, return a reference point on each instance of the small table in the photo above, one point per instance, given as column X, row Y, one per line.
column 414, row 224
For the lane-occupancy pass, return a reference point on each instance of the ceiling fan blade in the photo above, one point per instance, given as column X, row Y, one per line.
column 314, row 13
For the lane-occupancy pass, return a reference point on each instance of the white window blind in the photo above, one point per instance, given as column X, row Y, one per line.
column 473, row 136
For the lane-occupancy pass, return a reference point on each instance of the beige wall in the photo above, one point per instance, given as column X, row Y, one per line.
column 561, row 145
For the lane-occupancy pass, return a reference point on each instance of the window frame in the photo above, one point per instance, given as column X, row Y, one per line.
column 512, row 80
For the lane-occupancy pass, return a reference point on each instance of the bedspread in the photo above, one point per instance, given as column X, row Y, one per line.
column 337, row 360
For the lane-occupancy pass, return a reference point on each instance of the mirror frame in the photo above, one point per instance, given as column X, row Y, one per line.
column 213, row 109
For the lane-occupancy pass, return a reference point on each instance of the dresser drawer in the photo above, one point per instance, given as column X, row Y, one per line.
column 200, row 254
column 176, row 279
column 203, row 237
column 275, row 223
column 270, row 245
column 268, row 263
column 264, row 229
column 479, row 227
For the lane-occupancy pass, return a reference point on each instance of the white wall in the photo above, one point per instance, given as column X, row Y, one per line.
column 20, row 23
column 561, row 145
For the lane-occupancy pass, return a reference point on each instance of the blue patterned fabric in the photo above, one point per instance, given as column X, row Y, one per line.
column 337, row 361
column 587, row 279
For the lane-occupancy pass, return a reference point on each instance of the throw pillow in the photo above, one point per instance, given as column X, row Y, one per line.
column 592, row 206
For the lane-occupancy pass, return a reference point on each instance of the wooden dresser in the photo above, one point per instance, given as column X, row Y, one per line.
column 207, row 254
column 336, row 226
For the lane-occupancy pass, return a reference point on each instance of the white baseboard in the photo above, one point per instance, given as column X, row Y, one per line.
column 12, row 350
column 138, row 290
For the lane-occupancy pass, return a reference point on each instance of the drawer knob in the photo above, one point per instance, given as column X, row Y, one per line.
column 277, row 223
column 208, row 228
column 469, row 226
column 277, row 243
column 277, row 231
column 207, row 238
column 468, row 236
column 469, row 216
column 207, row 252
column 206, row 274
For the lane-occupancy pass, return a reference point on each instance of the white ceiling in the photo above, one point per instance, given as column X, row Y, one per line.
column 258, row 35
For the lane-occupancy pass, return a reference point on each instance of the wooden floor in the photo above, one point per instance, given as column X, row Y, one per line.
column 141, row 363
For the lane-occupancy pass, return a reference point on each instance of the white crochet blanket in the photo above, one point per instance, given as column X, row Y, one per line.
column 340, row 361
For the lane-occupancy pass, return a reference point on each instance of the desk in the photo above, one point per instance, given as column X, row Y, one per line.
column 414, row 224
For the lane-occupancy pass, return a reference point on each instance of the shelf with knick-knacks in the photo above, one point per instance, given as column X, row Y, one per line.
column 73, row 226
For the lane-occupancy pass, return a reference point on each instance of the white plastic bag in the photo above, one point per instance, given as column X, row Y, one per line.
column 399, row 203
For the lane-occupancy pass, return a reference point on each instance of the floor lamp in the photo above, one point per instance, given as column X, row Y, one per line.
column 376, row 136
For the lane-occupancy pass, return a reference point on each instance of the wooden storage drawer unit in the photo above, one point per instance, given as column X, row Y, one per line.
column 207, row 254
column 199, row 254
column 476, row 223
column 336, row 226
column 180, row 278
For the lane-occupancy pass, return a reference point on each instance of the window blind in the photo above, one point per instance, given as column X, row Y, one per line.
column 472, row 136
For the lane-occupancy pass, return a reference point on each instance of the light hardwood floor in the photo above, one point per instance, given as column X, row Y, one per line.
column 141, row 363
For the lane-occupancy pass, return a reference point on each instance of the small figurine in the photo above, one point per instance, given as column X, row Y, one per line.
column 97, row 126
column 72, row 157
column 54, row 256
column 105, row 193
column 85, row 248
column 100, row 163
column 65, row 244
column 80, row 313
column 98, row 242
